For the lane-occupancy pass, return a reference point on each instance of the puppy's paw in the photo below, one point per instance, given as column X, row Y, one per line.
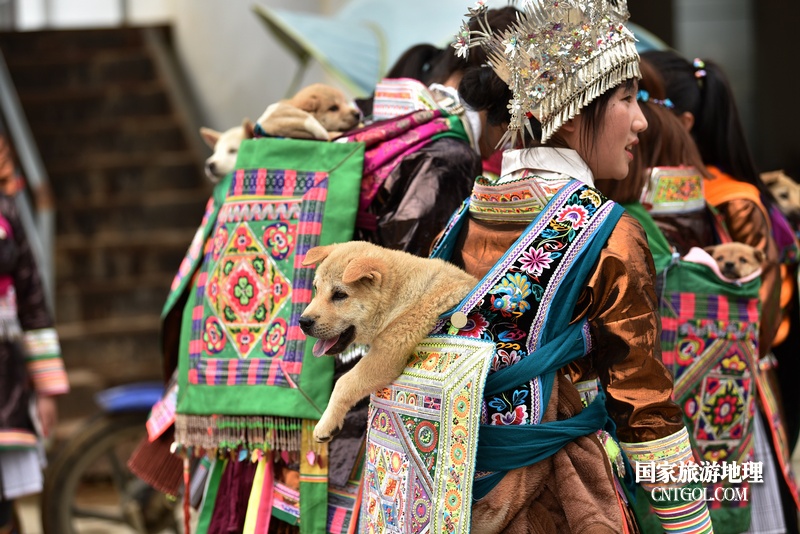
column 326, row 429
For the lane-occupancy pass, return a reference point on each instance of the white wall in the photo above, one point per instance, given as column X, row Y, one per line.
column 722, row 30
column 37, row 14
column 235, row 66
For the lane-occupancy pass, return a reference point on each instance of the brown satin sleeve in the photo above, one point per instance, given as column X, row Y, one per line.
column 747, row 224
column 620, row 304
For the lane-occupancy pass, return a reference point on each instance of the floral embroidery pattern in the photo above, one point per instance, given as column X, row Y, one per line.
column 514, row 289
column 475, row 327
column 242, row 240
column 213, row 336
column 575, row 215
column 279, row 240
column 274, row 342
column 534, row 261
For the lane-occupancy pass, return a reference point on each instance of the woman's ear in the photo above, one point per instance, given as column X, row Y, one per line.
column 569, row 126
column 568, row 132
column 687, row 119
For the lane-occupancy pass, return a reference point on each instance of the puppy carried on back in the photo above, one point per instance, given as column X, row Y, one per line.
column 387, row 299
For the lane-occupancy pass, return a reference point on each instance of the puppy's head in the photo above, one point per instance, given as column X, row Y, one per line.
column 786, row 192
column 328, row 105
column 226, row 148
column 348, row 304
column 736, row 260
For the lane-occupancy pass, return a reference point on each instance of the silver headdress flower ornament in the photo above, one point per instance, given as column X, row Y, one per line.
column 556, row 58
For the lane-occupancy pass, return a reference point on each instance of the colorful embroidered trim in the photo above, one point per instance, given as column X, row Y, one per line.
column 11, row 438
column 520, row 197
column 421, row 440
column 45, row 366
column 674, row 449
column 685, row 518
column 674, row 190
column 230, row 432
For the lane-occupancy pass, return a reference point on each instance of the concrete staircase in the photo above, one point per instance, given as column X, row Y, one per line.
column 125, row 165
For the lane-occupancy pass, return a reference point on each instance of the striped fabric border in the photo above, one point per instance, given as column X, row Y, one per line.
column 14, row 438
column 689, row 518
column 43, row 355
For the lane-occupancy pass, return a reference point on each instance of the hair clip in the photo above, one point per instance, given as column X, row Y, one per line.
column 699, row 68
column 644, row 96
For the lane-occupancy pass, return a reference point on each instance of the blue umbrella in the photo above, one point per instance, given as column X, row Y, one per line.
column 362, row 41
column 358, row 44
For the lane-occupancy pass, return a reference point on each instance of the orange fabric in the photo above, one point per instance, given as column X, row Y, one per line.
column 748, row 222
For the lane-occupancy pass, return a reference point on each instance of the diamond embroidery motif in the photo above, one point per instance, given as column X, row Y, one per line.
column 241, row 291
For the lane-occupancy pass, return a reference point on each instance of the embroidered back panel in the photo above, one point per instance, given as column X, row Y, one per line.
column 709, row 342
column 252, row 288
column 421, row 440
column 242, row 350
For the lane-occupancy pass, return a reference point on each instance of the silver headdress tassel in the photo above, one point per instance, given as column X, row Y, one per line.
column 558, row 57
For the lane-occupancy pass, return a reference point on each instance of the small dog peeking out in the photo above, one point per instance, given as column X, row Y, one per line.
column 226, row 147
column 736, row 260
column 318, row 111
column 786, row 192
column 387, row 299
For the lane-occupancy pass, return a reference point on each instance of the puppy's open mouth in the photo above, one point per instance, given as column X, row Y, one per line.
column 336, row 344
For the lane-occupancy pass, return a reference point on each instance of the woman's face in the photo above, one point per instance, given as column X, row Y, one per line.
column 609, row 153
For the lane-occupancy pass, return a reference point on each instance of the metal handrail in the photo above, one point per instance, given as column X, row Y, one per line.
column 38, row 216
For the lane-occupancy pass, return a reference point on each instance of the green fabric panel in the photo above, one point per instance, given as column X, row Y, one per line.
column 343, row 163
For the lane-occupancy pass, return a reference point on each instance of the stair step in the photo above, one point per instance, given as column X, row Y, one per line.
column 122, row 100
column 106, row 125
column 130, row 219
column 166, row 238
column 90, row 302
column 123, row 160
column 108, row 326
column 109, row 255
column 121, row 350
column 148, row 138
column 80, row 69
column 67, row 41
column 75, row 184
column 149, row 199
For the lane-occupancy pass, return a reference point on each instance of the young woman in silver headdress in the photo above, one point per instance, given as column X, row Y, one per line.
column 566, row 289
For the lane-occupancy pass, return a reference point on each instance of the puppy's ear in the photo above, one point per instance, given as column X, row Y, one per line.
column 360, row 268
column 758, row 254
column 770, row 177
column 317, row 254
column 249, row 129
column 210, row 136
column 309, row 104
column 710, row 249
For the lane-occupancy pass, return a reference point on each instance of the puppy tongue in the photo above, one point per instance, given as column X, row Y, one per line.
column 324, row 345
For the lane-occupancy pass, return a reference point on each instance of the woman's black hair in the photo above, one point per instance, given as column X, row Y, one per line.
column 705, row 92
column 418, row 63
column 497, row 19
column 483, row 90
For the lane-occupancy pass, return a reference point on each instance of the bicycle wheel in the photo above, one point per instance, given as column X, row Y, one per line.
column 88, row 488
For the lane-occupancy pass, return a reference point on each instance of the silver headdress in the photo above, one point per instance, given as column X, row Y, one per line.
column 556, row 58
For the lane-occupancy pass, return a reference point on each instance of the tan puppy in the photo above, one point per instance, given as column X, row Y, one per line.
column 226, row 148
column 387, row 299
column 318, row 111
column 736, row 260
column 786, row 192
